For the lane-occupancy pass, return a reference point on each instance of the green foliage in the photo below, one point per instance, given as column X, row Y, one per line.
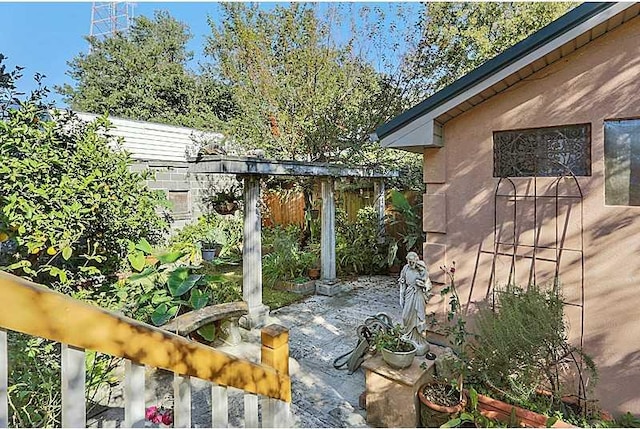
column 627, row 420
column 391, row 340
column 212, row 228
column 521, row 346
column 409, row 217
column 69, row 202
column 300, row 94
column 34, row 382
column 285, row 261
column 357, row 248
column 457, row 37
column 143, row 75
column 472, row 417
column 162, row 285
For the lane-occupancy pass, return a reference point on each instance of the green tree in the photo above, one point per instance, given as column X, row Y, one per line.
column 301, row 94
column 458, row 37
column 143, row 75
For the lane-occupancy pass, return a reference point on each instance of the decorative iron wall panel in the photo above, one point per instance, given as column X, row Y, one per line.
column 543, row 152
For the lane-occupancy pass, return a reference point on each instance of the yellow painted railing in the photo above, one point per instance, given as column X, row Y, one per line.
column 35, row 310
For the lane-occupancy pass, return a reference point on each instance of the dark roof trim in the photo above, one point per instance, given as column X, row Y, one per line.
column 566, row 22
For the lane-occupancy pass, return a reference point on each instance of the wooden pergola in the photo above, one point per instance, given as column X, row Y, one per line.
column 251, row 171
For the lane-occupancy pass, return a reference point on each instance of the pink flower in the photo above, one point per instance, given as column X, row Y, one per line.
column 150, row 413
column 167, row 418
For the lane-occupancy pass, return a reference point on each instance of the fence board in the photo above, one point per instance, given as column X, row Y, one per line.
column 250, row 410
column 219, row 406
column 181, row 401
column 134, row 392
column 74, row 407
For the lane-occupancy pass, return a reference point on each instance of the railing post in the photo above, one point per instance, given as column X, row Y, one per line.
column 181, row 401
column 4, row 380
column 134, row 395
column 74, row 409
column 275, row 353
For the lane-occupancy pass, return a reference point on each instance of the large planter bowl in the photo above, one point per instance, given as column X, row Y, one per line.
column 435, row 415
column 398, row 360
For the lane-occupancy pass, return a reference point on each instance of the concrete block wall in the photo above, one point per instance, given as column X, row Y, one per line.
column 187, row 190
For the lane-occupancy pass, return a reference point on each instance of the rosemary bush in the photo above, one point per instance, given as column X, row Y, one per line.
column 523, row 343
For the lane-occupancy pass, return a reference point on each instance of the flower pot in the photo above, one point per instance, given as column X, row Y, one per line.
column 211, row 251
column 314, row 273
column 499, row 410
column 398, row 360
column 433, row 414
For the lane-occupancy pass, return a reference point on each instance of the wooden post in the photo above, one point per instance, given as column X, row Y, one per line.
column 4, row 380
column 181, row 401
column 74, row 408
column 134, row 405
column 328, row 231
column 275, row 354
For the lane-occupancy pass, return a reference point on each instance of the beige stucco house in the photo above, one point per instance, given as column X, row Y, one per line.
column 557, row 113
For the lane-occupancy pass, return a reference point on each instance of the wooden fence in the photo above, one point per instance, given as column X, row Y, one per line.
column 288, row 208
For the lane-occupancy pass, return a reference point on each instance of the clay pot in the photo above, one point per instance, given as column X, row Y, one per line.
column 314, row 273
column 435, row 415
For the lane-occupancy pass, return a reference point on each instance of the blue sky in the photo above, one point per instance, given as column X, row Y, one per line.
column 42, row 37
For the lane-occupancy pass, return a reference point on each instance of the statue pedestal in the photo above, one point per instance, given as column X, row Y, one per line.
column 392, row 394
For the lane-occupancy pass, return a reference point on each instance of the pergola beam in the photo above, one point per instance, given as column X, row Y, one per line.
column 268, row 167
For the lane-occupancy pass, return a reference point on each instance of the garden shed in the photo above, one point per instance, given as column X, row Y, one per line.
column 555, row 115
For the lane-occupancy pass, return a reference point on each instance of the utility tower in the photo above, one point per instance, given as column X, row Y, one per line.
column 109, row 18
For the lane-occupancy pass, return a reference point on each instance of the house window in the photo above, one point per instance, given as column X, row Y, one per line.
column 179, row 204
column 622, row 162
column 543, row 152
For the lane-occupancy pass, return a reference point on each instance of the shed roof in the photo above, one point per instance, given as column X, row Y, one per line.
column 558, row 39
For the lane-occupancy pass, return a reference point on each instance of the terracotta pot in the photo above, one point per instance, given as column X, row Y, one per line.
column 498, row 410
column 435, row 415
column 314, row 273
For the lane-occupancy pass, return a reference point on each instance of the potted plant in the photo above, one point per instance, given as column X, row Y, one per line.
column 397, row 352
column 521, row 354
column 212, row 244
column 444, row 397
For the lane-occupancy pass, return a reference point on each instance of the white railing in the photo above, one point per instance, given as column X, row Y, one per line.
column 35, row 310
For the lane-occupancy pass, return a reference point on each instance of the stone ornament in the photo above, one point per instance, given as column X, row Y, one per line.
column 415, row 291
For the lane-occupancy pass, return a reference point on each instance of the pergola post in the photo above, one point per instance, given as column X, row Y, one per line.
column 252, row 255
column 380, row 203
column 328, row 285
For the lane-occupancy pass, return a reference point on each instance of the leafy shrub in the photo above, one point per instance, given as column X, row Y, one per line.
column 162, row 285
column 521, row 345
column 286, row 261
column 226, row 230
column 69, row 202
column 357, row 248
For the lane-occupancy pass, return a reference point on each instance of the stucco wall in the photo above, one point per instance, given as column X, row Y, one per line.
column 597, row 82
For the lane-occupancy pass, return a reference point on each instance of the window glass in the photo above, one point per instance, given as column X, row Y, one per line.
column 622, row 162
column 544, row 152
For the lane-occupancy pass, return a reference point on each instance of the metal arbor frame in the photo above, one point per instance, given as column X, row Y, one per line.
column 501, row 248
